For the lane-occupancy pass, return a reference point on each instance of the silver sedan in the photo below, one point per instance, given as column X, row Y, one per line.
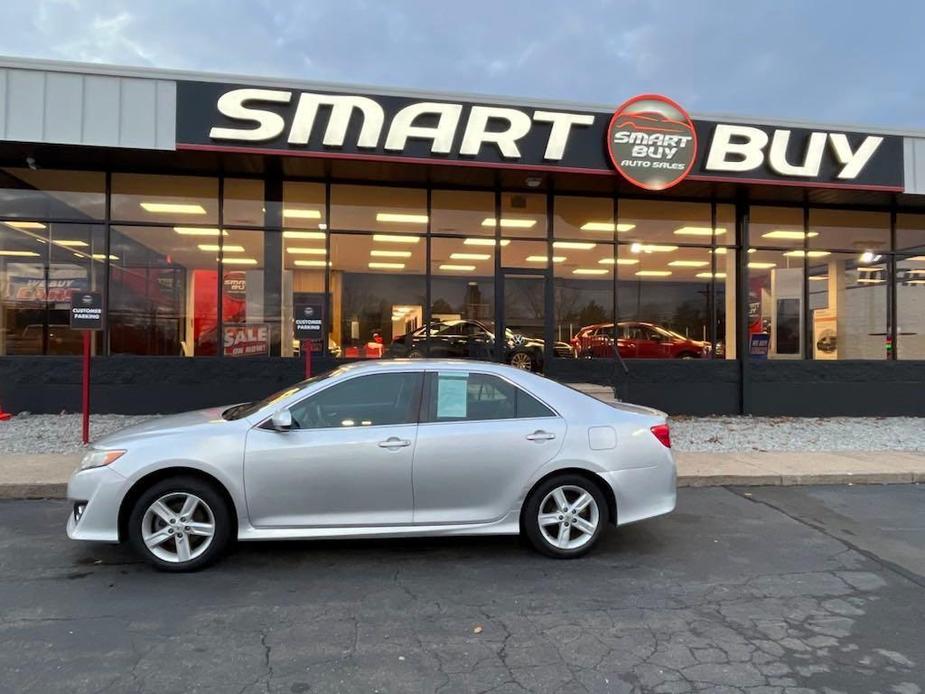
column 387, row 449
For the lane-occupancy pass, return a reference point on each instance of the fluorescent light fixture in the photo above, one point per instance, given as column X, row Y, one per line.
column 378, row 253
column 544, row 259
column 238, row 261
column 915, row 272
column 762, row 266
column 305, row 235
column 917, row 258
column 20, row 254
column 653, row 273
column 301, row 214
column 458, row 268
column 651, row 248
column 392, row 238
column 618, row 261
column 699, row 231
column 197, row 231
column 590, row 271
column 172, row 208
column 26, row 225
column 310, row 263
column 386, row 266
column 70, row 243
column 607, row 226
column 508, row 223
column 869, row 280
column 916, row 282
column 789, row 235
column 470, row 256
column 818, row 278
column 575, row 245
column 102, row 256
column 298, row 250
column 689, row 263
column 808, row 254
column 710, row 275
column 401, row 217
column 871, row 268
column 215, row 248
column 486, row 242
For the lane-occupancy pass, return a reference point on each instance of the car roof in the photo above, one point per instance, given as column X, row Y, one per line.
column 373, row 365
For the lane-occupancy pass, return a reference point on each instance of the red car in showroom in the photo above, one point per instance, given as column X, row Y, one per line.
column 636, row 340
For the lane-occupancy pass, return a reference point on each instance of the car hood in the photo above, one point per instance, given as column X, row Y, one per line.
column 163, row 425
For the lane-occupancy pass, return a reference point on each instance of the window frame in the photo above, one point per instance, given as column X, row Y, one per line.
column 431, row 374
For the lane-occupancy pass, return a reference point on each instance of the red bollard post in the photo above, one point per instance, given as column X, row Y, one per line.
column 307, row 349
column 85, row 393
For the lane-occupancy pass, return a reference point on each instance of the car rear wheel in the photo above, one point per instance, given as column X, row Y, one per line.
column 565, row 516
column 415, row 354
column 180, row 524
column 522, row 360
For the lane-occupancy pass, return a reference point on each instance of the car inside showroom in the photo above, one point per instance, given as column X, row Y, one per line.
column 700, row 265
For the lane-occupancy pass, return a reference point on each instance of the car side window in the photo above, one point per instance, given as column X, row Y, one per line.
column 464, row 396
column 373, row 400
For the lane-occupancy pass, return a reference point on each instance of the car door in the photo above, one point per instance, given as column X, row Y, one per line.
column 480, row 440
column 345, row 462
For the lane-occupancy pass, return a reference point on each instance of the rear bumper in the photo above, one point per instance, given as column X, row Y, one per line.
column 644, row 492
column 101, row 490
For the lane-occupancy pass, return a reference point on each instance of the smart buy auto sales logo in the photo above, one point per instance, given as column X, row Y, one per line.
column 652, row 142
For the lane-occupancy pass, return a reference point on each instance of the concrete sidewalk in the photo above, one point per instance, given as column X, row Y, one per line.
column 45, row 475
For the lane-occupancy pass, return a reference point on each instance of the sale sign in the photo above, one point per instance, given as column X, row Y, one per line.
column 246, row 340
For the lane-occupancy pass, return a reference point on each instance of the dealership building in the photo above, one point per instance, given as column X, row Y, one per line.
column 230, row 223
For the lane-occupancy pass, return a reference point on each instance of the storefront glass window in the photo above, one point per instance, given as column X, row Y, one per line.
column 522, row 215
column 777, row 227
column 462, row 212
column 39, row 270
column 584, row 300
column 910, row 286
column 377, row 293
column 251, row 296
column 243, row 202
column 775, row 304
column 668, row 223
column 849, row 230
column 303, row 208
column 178, row 200
column 584, row 218
column 387, row 210
column 48, row 194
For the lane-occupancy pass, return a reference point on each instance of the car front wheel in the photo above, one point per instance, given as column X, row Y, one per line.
column 523, row 360
column 180, row 524
column 565, row 516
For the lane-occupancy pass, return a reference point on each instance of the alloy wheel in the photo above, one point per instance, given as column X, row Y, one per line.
column 522, row 360
column 178, row 527
column 568, row 517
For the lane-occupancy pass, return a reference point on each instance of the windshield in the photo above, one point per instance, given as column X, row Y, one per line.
column 248, row 408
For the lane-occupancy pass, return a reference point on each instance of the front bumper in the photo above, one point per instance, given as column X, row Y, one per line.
column 101, row 490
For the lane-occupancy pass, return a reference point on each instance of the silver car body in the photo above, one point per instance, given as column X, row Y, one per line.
column 444, row 478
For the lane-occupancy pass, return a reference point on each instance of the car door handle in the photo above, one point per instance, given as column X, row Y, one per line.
column 540, row 435
column 394, row 442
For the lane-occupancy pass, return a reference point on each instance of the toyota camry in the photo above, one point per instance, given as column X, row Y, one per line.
column 394, row 448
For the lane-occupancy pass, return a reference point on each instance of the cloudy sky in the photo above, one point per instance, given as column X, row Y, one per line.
column 823, row 60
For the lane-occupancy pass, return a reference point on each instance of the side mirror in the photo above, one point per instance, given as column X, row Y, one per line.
column 281, row 420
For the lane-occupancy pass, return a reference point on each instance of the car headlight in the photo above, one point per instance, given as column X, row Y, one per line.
column 98, row 458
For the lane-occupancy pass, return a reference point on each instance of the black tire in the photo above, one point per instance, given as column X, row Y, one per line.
column 531, row 510
column 209, row 495
column 415, row 354
column 687, row 355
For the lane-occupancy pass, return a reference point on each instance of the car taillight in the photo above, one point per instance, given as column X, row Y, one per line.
column 661, row 432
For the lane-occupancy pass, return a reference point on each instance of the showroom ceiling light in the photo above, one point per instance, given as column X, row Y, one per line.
column 509, row 223
column 20, row 254
column 379, row 253
column 470, row 256
column 818, row 278
column 544, row 259
column 720, row 251
column 215, row 248
column 711, row 275
column 762, row 266
column 915, row 272
column 789, row 235
column 26, row 225
column 699, row 231
column 392, row 238
column 310, row 263
column 917, row 258
column 386, row 266
column 289, row 213
column 172, row 208
column 590, row 271
column 607, row 226
column 486, row 242
column 238, row 261
column 653, row 273
column 916, row 282
column 689, row 263
column 808, row 254
column 458, row 268
column 574, row 245
column 71, row 243
column 401, row 218
column 299, row 250
column 304, row 235
column 651, row 248
column 102, row 256
column 198, row 231
column 870, row 280
column 618, row 261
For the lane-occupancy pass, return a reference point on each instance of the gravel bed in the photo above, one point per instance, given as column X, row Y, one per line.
column 61, row 433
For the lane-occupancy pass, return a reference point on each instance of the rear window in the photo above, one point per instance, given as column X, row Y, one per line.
column 455, row 396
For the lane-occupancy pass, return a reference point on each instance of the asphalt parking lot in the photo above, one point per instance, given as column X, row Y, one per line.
column 760, row 590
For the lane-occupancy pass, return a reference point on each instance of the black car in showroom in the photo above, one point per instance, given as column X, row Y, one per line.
column 470, row 339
